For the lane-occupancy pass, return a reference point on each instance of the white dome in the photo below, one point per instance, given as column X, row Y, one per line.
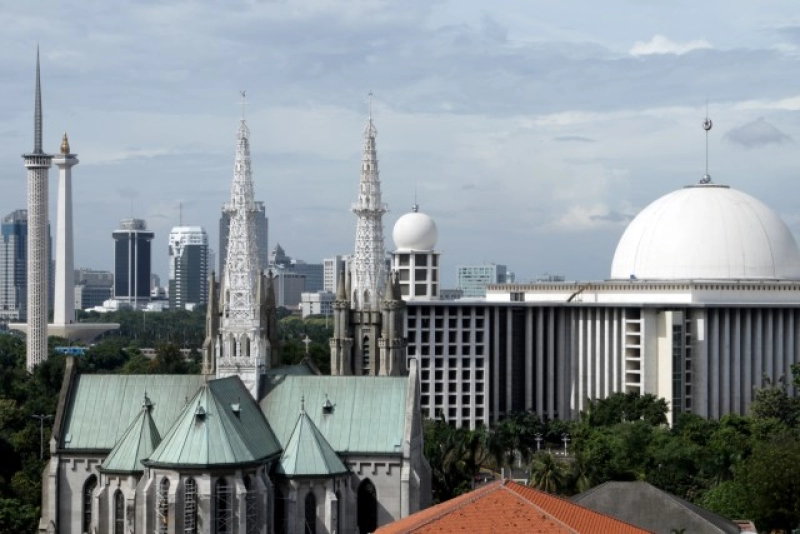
column 415, row 231
column 707, row 232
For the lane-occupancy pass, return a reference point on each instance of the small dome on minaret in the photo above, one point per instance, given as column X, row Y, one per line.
column 415, row 231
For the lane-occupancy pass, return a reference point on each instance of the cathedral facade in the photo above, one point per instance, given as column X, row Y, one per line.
column 250, row 446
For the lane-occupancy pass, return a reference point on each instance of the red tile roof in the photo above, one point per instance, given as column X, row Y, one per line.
column 506, row 507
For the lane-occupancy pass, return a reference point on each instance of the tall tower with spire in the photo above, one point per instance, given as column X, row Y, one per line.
column 38, row 165
column 368, row 311
column 239, row 333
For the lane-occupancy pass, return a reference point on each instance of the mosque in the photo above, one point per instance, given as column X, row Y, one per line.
column 700, row 308
column 249, row 446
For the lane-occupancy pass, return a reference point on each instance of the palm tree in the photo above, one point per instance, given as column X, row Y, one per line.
column 547, row 474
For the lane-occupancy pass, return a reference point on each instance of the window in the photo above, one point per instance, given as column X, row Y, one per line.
column 162, row 507
column 365, row 356
column 367, row 507
column 190, row 507
column 251, row 505
column 223, row 498
column 119, row 513
column 311, row 514
column 88, row 491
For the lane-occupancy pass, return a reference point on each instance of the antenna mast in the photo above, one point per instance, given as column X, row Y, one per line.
column 707, row 125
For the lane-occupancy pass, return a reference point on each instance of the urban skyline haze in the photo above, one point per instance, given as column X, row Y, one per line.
column 531, row 133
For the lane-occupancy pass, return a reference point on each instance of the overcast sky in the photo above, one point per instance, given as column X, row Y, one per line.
column 532, row 132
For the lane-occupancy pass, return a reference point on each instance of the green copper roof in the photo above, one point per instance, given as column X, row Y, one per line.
column 308, row 453
column 220, row 426
column 101, row 407
column 367, row 413
column 136, row 444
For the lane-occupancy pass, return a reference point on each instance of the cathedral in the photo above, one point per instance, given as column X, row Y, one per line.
column 249, row 446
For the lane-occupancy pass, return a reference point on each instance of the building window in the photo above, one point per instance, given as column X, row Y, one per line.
column 311, row 514
column 119, row 513
column 251, row 505
column 190, row 507
column 162, row 507
column 88, row 491
column 223, row 497
column 365, row 356
column 367, row 507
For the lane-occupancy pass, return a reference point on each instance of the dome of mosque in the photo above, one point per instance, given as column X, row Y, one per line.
column 710, row 232
column 415, row 231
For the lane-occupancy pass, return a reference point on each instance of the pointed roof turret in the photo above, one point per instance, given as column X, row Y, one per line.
column 308, row 453
column 341, row 292
column 137, row 443
column 220, row 426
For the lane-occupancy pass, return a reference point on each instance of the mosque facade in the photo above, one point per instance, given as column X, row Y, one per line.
column 700, row 308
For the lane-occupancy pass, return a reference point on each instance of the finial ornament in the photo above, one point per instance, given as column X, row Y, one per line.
column 65, row 144
column 370, row 104
column 244, row 98
column 302, row 404
column 707, row 125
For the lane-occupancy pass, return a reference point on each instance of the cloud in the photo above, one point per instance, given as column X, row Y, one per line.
column 583, row 218
column 756, row 133
column 573, row 138
column 661, row 45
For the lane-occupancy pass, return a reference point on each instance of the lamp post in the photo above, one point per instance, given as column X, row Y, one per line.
column 566, row 440
column 538, row 442
column 41, row 417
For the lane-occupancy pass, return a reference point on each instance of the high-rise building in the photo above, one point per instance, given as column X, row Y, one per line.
column 261, row 223
column 92, row 288
column 473, row 279
column 188, row 266
column 14, row 267
column 132, row 262
column 369, row 315
column 332, row 269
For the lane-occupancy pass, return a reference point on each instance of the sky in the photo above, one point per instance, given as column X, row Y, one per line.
column 532, row 131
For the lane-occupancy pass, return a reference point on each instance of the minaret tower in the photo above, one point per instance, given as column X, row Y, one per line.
column 38, row 165
column 242, row 346
column 368, row 266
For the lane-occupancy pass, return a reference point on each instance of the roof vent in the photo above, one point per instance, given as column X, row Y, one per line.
column 200, row 413
column 327, row 406
column 236, row 409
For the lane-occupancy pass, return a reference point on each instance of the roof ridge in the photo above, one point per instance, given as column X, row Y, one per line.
column 473, row 496
column 543, row 511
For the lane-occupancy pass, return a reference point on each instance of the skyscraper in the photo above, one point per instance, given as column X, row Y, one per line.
column 473, row 279
column 188, row 266
column 132, row 262
column 262, row 237
column 13, row 266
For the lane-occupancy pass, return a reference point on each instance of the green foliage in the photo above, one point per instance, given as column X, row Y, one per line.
column 16, row 516
column 182, row 327
column 293, row 330
column 455, row 457
column 548, row 474
column 626, row 407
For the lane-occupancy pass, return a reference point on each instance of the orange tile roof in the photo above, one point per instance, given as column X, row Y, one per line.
column 506, row 507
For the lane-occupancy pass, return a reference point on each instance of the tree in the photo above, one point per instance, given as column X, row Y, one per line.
column 548, row 474
column 626, row 407
column 773, row 401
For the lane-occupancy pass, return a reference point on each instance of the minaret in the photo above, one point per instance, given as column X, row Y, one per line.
column 64, row 305
column 242, row 347
column 368, row 266
column 38, row 165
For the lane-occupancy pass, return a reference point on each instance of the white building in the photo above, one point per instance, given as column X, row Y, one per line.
column 318, row 303
column 188, row 267
column 473, row 279
column 414, row 260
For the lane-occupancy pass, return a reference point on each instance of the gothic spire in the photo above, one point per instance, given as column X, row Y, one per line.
column 369, row 261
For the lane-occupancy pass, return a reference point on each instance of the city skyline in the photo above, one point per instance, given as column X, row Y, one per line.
column 531, row 134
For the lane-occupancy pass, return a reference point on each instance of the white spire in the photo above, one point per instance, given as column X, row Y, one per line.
column 241, row 351
column 369, row 262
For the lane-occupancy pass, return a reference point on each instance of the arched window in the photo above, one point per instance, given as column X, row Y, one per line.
column 245, row 348
column 190, row 507
column 311, row 514
column 162, row 506
column 365, row 356
column 367, row 506
column 88, row 492
column 339, row 508
column 119, row 513
column 279, row 519
column 223, row 497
